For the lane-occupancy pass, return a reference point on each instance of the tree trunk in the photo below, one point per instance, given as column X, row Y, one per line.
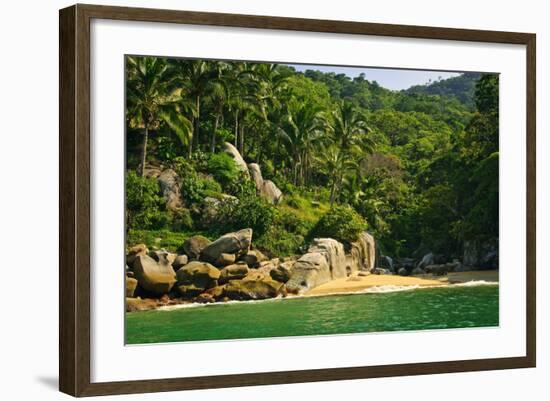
column 241, row 140
column 332, row 190
column 144, row 151
column 213, row 138
column 236, row 127
column 196, row 139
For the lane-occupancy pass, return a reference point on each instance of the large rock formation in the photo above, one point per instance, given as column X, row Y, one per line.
column 234, row 153
column 237, row 243
column 155, row 277
column 170, row 187
column 324, row 261
column 195, row 277
column 363, row 253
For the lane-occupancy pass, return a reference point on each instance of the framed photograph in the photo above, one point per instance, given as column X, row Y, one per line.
column 249, row 200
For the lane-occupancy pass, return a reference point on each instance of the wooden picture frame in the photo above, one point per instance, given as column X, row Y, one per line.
column 75, row 207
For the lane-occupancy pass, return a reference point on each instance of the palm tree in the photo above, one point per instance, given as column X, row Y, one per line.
column 336, row 163
column 349, row 133
column 151, row 102
column 304, row 127
column 219, row 96
column 350, row 129
column 196, row 78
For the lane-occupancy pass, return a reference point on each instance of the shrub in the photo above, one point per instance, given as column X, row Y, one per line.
column 182, row 220
column 341, row 223
column 223, row 168
column 145, row 206
column 277, row 242
column 248, row 212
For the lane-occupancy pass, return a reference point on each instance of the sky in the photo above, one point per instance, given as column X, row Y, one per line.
column 388, row 78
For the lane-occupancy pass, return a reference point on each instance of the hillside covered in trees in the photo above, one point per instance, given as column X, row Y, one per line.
column 417, row 168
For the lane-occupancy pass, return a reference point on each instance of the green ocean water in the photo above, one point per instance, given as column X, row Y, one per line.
column 418, row 309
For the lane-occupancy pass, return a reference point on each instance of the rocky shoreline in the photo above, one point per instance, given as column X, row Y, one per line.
column 231, row 269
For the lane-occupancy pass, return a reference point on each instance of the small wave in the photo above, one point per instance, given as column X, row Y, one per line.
column 379, row 289
column 167, row 308
column 475, row 283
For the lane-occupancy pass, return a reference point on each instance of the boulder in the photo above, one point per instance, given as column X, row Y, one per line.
column 163, row 256
column 403, row 272
column 170, row 187
column 282, row 272
column 271, row 192
column 363, row 253
column 407, row 263
column 195, row 277
column 385, row 262
column 438, row 270
column 234, row 153
column 378, row 270
column 417, row 271
column 215, row 292
column 155, row 277
column 205, row 298
column 131, row 285
column 225, row 259
column 255, row 286
column 233, row 272
column 193, row 246
column 180, row 261
column 427, row 259
column 133, row 252
column 237, row 243
column 324, row 261
column 256, row 174
column 138, row 304
column 151, row 171
column 253, row 258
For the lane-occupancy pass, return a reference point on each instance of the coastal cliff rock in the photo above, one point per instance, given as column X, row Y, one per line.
column 170, row 187
column 195, row 277
column 239, row 161
column 155, row 277
column 237, row 243
column 324, row 261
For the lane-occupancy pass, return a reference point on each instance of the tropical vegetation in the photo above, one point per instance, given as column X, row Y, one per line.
column 418, row 168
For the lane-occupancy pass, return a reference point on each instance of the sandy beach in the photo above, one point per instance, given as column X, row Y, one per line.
column 358, row 283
